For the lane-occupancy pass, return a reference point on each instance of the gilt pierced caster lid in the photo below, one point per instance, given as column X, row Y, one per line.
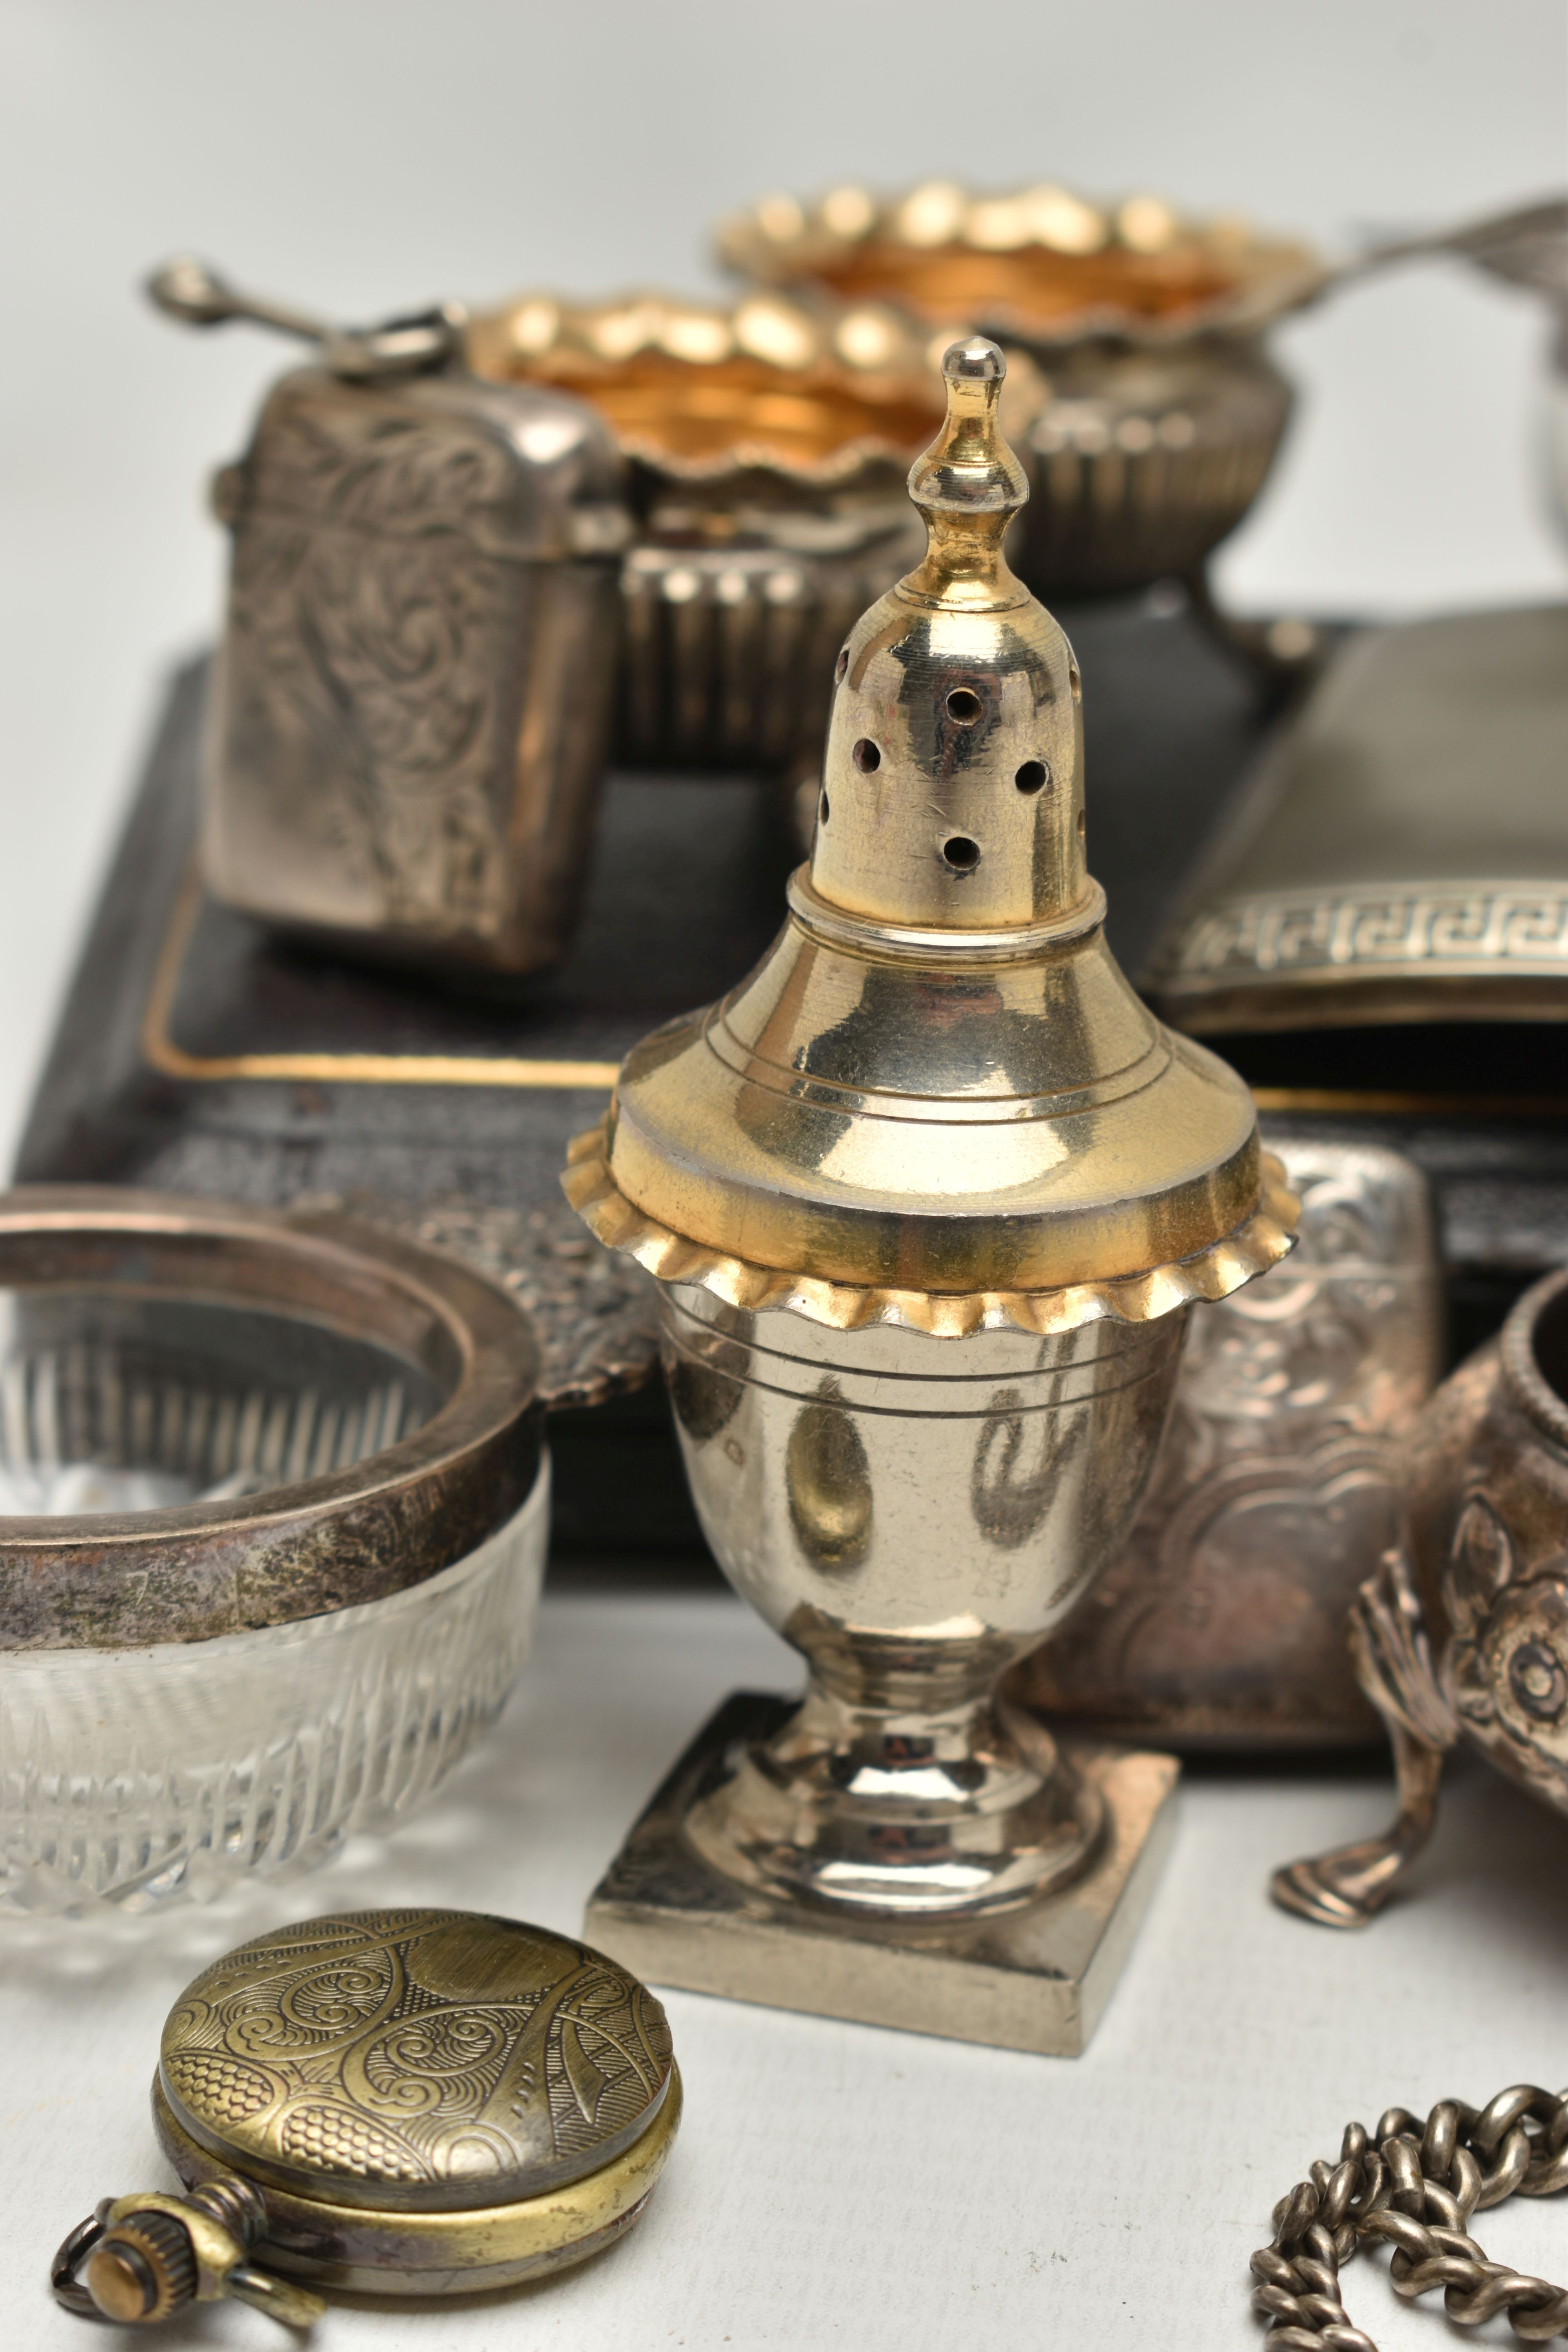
column 388, row 2102
column 937, row 1101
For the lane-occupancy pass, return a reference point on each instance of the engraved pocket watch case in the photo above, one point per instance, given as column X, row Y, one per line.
column 421, row 2103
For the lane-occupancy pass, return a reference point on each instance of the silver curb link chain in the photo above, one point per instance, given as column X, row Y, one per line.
column 1416, row 2185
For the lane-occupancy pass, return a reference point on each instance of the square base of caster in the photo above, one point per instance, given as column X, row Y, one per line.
column 1035, row 1978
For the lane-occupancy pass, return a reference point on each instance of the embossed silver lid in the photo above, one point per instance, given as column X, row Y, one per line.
column 521, row 472
column 416, row 2061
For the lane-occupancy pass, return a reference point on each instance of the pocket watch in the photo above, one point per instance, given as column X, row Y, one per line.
column 389, row 2103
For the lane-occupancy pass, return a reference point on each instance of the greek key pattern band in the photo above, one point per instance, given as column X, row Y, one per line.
column 1511, row 926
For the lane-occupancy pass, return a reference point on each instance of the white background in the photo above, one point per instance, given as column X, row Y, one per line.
column 365, row 154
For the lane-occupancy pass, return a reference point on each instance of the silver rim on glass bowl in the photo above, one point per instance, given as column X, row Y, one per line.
column 392, row 1429
column 276, row 1512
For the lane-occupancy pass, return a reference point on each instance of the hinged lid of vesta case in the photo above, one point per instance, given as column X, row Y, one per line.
column 937, row 1101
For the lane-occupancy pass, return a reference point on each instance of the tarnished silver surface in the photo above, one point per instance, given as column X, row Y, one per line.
column 1035, row 1977
column 1527, row 246
column 727, row 651
column 766, row 443
column 341, row 1415
column 1143, row 399
column 412, row 703
column 1415, row 2186
column 1463, row 1632
column 413, row 700
column 764, row 446
column 1400, row 853
column 192, row 291
column 912, row 1517
column 1142, row 460
column 1278, row 1485
column 593, row 1312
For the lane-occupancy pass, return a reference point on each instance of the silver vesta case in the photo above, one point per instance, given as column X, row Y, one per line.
column 411, row 709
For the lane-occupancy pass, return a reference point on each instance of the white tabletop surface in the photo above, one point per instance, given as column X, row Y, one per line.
column 839, row 2186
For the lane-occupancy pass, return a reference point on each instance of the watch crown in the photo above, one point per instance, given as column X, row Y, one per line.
column 143, row 2257
column 141, row 2269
